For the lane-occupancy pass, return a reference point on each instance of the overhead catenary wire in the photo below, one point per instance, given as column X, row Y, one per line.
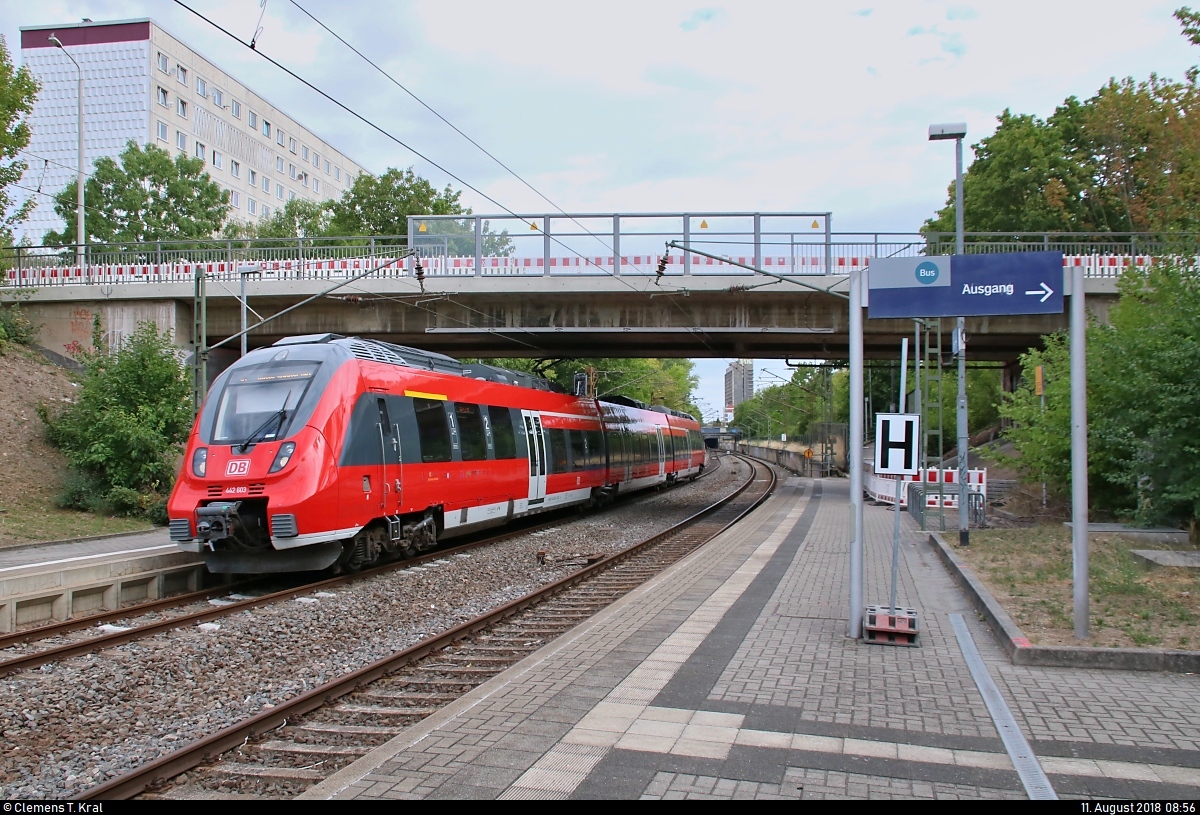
column 423, row 157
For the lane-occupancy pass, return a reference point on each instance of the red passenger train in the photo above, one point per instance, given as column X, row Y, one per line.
column 325, row 450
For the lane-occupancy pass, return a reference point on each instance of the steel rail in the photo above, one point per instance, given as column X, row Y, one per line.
column 113, row 639
column 136, row 781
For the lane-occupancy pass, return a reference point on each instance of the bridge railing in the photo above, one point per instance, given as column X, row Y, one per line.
column 1101, row 255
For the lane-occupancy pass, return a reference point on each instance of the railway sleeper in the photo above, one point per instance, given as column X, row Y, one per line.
column 391, row 712
column 334, row 729
column 309, row 750
column 263, row 772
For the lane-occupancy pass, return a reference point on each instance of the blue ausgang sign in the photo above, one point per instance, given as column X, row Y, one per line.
column 966, row 285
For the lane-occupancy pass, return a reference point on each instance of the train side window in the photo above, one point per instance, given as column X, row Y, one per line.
column 503, row 437
column 558, row 450
column 595, row 444
column 579, row 456
column 470, row 431
column 433, row 429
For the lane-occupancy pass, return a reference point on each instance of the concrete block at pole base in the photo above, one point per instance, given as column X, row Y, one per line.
column 890, row 626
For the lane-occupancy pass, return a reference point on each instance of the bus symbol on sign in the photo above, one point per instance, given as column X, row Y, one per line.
column 238, row 466
column 927, row 272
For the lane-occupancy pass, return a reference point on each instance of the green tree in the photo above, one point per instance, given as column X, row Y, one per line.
column 123, row 432
column 1144, row 393
column 667, row 382
column 18, row 89
column 1127, row 159
column 146, row 197
column 380, row 206
column 298, row 218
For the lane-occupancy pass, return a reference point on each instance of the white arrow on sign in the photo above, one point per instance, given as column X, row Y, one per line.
column 1048, row 291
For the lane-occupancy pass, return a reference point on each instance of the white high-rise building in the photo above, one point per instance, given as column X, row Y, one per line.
column 739, row 383
column 141, row 83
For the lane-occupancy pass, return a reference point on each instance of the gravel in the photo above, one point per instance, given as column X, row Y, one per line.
column 71, row 725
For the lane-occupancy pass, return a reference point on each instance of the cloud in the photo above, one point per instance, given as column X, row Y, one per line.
column 951, row 43
column 679, row 78
column 961, row 13
column 863, row 12
column 700, row 17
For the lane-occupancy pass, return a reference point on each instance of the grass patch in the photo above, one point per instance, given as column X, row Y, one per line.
column 1029, row 571
column 31, row 520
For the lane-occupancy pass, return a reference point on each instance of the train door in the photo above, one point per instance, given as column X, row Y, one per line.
column 662, row 458
column 537, row 456
column 390, row 458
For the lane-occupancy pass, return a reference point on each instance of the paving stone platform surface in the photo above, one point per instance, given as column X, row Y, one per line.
column 731, row 676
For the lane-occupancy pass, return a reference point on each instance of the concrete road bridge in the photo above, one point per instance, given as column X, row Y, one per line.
column 540, row 286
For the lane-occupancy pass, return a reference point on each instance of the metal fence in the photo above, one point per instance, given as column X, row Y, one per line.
column 540, row 255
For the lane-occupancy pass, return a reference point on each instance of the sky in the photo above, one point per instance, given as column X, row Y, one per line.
column 671, row 106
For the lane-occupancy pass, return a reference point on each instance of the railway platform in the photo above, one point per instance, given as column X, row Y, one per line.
column 54, row 581
column 731, row 676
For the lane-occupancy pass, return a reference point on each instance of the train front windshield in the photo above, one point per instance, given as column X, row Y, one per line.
column 260, row 401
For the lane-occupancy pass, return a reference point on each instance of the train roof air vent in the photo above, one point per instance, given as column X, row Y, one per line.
column 309, row 339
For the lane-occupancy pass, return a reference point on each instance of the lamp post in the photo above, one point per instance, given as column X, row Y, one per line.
column 79, row 233
column 958, row 131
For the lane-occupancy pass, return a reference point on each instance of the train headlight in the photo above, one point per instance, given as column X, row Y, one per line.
column 283, row 456
column 200, row 462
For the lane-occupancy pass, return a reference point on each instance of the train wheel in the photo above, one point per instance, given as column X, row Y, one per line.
column 364, row 549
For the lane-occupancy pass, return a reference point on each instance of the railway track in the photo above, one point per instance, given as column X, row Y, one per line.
column 114, row 635
column 288, row 748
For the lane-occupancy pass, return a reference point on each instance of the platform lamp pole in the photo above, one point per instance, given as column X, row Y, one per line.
column 80, row 235
column 958, row 132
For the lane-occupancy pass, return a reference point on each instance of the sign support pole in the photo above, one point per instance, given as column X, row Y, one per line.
column 899, row 478
column 1079, row 454
column 856, row 455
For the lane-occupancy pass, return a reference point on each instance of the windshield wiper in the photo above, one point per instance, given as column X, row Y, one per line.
column 278, row 415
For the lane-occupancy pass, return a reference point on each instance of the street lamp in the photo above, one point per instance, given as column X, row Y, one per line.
column 79, row 233
column 958, row 131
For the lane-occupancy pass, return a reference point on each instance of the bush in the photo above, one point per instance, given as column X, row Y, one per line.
column 123, row 433
column 15, row 327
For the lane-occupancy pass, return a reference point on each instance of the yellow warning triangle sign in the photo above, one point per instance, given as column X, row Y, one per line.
column 816, row 224
column 704, row 225
column 422, row 228
column 533, row 227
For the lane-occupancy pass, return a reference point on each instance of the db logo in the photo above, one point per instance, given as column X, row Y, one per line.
column 238, row 466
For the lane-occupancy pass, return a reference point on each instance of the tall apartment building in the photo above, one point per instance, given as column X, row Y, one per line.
column 739, row 383
column 142, row 83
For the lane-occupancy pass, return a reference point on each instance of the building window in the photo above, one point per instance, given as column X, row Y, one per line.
column 182, row 74
column 218, row 98
column 253, row 178
column 266, row 185
column 235, row 169
column 251, row 206
column 266, row 128
column 279, row 191
column 235, row 200
column 337, row 173
column 326, row 166
column 180, row 140
column 304, row 179
column 181, row 107
column 252, row 120
column 304, row 153
column 279, row 163
column 291, row 145
column 200, row 150
column 292, row 171
column 201, row 87
column 163, row 98
column 216, row 162
column 316, row 161
column 162, row 130
column 316, row 185
column 291, row 195
column 279, row 138
column 266, row 211
column 162, row 62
